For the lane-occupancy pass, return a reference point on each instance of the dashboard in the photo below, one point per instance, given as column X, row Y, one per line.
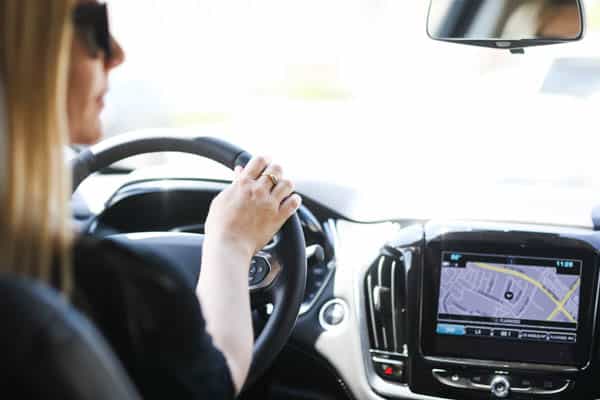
column 423, row 309
column 467, row 310
column 181, row 205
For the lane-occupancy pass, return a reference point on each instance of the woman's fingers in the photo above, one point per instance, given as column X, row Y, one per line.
column 283, row 189
column 255, row 167
column 271, row 176
column 237, row 172
column 269, row 180
column 249, row 212
column 290, row 206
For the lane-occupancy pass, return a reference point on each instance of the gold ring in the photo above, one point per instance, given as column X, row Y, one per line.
column 273, row 178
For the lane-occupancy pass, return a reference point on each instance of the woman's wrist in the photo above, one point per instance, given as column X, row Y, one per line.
column 225, row 246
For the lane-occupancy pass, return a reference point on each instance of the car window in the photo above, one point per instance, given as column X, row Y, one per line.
column 358, row 84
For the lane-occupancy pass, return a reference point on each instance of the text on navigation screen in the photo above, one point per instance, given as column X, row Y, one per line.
column 509, row 297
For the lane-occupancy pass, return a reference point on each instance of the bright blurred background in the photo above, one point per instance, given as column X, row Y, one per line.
column 354, row 92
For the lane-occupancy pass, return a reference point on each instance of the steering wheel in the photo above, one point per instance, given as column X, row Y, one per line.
column 277, row 274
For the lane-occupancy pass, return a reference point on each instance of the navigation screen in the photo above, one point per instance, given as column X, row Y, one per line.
column 509, row 297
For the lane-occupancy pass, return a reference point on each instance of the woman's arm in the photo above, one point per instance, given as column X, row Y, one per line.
column 225, row 302
column 242, row 220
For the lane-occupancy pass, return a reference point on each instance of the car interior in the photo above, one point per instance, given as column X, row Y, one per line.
column 457, row 265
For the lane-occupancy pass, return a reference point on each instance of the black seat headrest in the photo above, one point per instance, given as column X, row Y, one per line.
column 49, row 350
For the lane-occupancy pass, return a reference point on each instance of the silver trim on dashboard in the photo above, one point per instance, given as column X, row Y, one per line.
column 543, row 392
column 490, row 364
column 394, row 310
column 380, row 270
column 188, row 228
column 388, row 353
column 371, row 300
column 387, row 361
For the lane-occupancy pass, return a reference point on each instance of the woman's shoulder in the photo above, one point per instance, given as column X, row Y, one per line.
column 101, row 265
column 104, row 262
column 150, row 314
column 92, row 254
column 137, row 262
column 90, row 249
column 110, row 275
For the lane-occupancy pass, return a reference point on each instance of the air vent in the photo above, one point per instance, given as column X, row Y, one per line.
column 385, row 303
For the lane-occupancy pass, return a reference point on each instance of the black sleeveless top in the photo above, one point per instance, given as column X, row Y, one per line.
column 151, row 317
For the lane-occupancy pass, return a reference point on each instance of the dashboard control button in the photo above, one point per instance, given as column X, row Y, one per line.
column 506, row 333
column 451, row 329
column 333, row 313
column 524, row 383
column 389, row 369
column 259, row 269
column 540, row 336
column 561, row 337
column 500, row 387
column 454, row 379
column 479, row 331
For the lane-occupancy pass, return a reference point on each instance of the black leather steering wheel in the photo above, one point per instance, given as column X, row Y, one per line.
column 282, row 278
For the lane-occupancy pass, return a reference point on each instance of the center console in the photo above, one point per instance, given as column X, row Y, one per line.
column 494, row 311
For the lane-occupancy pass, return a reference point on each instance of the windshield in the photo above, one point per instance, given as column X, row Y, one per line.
column 354, row 92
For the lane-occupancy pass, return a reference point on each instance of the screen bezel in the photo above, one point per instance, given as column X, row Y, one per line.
column 432, row 344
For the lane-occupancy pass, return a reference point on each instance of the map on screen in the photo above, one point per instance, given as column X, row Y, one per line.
column 509, row 291
column 509, row 297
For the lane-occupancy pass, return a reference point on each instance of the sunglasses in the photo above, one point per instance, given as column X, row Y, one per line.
column 91, row 24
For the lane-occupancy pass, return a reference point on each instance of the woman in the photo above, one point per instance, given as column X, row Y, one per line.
column 55, row 58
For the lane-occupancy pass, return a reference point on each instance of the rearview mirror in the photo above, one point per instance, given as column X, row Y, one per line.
column 506, row 24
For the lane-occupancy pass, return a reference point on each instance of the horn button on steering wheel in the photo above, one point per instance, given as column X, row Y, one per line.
column 259, row 269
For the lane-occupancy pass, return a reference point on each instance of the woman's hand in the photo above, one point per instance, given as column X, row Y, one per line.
column 242, row 219
column 247, row 214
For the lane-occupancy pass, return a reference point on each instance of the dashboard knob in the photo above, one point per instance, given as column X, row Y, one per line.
column 500, row 387
column 333, row 313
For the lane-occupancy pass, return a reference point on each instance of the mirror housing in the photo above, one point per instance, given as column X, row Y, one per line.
column 506, row 24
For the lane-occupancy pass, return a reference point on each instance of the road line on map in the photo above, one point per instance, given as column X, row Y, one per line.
column 528, row 279
column 564, row 300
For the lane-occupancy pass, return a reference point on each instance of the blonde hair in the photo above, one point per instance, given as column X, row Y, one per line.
column 35, row 232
